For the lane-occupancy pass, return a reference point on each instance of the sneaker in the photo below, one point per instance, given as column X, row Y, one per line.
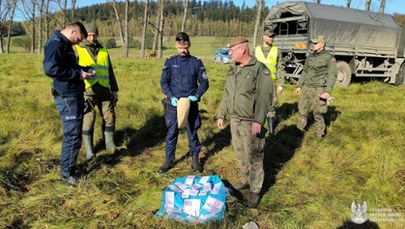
column 72, row 180
column 254, row 200
column 166, row 167
column 242, row 186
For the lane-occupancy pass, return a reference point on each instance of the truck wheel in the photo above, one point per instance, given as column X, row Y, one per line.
column 344, row 74
column 400, row 79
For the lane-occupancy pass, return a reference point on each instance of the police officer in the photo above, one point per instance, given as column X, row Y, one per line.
column 315, row 86
column 68, row 86
column 183, row 76
column 270, row 55
column 101, row 91
column 247, row 93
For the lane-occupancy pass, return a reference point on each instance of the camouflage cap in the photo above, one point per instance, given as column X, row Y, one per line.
column 237, row 41
column 320, row 38
column 269, row 33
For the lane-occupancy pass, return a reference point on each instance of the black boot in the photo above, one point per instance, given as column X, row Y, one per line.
column 254, row 200
column 196, row 166
column 166, row 167
column 271, row 122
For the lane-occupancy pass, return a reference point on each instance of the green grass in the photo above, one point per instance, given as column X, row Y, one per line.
column 309, row 184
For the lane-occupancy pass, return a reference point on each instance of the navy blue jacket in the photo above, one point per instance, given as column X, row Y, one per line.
column 184, row 76
column 60, row 63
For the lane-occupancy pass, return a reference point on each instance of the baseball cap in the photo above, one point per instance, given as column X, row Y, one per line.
column 182, row 36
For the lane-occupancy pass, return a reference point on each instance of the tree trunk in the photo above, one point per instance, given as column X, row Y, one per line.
column 382, row 6
column 33, row 27
column 368, row 3
column 185, row 10
column 156, row 32
column 160, row 37
column 73, row 10
column 117, row 16
column 318, row 1
column 259, row 4
column 13, row 6
column 349, row 2
column 41, row 16
column 145, row 24
column 126, row 30
column 47, row 20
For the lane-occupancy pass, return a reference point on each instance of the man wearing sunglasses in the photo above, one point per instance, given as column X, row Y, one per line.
column 315, row 86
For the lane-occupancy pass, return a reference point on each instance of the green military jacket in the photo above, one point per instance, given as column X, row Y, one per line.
column 319, row 71
column 248, row 91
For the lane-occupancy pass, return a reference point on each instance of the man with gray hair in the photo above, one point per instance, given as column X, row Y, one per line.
column 248, row 91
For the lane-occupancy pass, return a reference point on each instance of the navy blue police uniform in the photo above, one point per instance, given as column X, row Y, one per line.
column 183, row 76
column 61, row 65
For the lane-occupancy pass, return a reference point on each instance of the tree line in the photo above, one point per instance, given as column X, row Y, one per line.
column 147, row 20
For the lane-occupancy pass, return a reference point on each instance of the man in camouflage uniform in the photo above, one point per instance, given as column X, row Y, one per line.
column 247, row 94
column 269, row 54
column 315, row 86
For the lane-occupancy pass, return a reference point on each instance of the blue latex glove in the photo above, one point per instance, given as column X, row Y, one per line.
column 174, row 101
column 193, row 98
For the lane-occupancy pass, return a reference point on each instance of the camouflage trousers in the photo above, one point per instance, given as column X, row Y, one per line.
column 249, row 151
column 272, row 110
column 310, row 102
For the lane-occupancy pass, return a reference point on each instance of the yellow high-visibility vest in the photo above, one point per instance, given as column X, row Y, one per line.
column 270, row 61
column 101, row 67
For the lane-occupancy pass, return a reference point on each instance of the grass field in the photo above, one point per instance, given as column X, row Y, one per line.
column 309, row 184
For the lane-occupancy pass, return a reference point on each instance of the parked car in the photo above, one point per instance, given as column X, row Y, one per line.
column 222, row 56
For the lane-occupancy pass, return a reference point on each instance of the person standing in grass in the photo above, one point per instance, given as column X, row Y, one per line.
column 247, row 94
column 68, row 86
column 101, row 91
column 268, row 54
column 315, row 86
column 183, row 76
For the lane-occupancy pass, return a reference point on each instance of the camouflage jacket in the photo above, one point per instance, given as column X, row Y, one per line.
column 319, row 71
column 248, row 91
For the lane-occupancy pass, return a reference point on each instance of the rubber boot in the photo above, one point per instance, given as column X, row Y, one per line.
column 196, row 166
column 88, row 146
column 271, row 122
column 109, row 141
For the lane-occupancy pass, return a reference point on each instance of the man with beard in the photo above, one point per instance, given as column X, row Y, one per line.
column 183, row 77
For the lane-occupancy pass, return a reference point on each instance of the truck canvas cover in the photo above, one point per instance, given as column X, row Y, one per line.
column 346, row 27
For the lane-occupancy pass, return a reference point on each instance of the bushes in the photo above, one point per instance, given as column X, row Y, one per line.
column 24, row 42
column 109, row 43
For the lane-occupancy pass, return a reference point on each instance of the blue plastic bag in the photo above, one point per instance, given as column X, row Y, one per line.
column 194, row 199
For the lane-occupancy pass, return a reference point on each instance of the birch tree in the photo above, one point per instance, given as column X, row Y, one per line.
column 259, row 4
column 160, row 34
column 368, row 3
column 12, row 5
column 145, row 24
column 382, row 6
column 122, row 28
column 185, row 10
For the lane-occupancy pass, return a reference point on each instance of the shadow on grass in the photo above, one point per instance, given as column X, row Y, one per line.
column 367, row 225
column 281, row 147
column 220, row 140
column 140, row 140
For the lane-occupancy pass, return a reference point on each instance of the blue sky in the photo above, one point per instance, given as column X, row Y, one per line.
column 391, row 6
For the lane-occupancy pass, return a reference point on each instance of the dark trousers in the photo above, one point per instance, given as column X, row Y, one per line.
column 193, row 124
column 71, row 112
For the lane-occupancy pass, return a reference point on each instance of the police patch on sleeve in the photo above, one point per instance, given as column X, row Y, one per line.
column 204, row 75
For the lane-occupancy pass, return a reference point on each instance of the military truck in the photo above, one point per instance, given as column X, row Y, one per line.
column 365, row 44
